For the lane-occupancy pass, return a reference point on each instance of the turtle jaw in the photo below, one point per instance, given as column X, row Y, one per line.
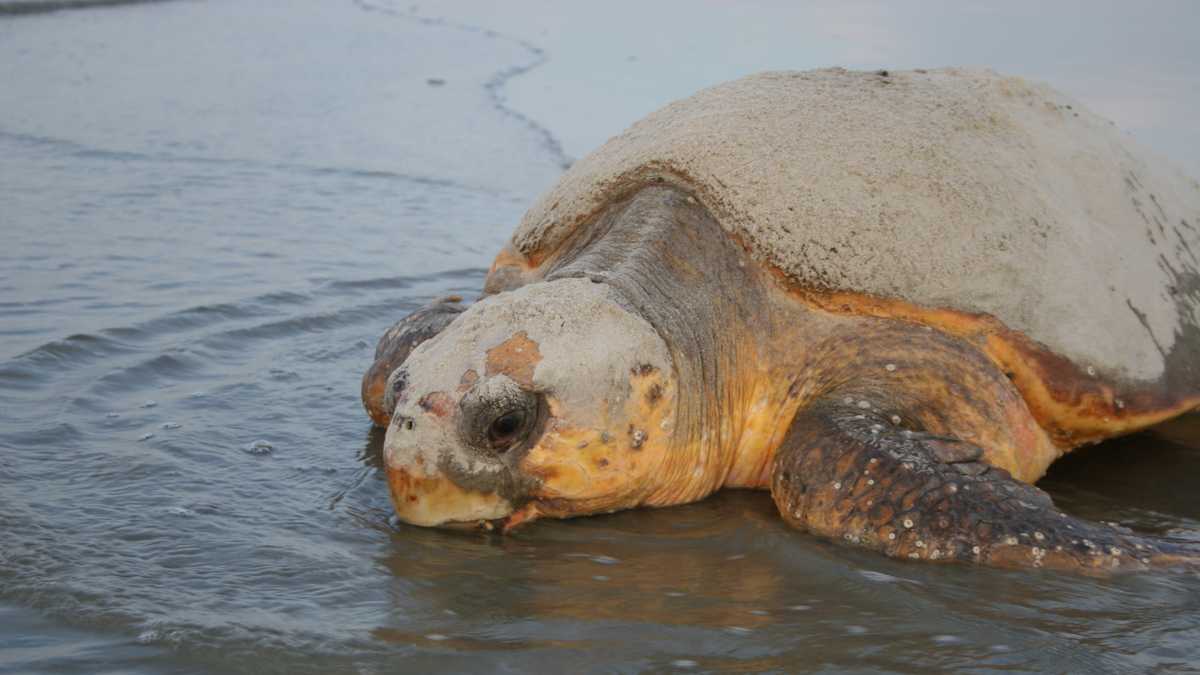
column 438, row 502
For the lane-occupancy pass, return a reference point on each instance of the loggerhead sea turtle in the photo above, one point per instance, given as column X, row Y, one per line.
column 892, row 299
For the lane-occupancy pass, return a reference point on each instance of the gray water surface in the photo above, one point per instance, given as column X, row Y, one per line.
column 209, row 213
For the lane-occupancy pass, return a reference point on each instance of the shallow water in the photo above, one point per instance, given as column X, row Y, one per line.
column 210, row 211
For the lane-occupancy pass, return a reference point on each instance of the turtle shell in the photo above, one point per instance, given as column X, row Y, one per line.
column 991, row 206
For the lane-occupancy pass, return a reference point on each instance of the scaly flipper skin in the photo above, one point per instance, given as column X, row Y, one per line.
column 395, row 346
column 853, row 474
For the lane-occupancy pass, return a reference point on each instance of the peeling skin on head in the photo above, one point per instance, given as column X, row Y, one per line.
column 516, row 357
column 437, row 403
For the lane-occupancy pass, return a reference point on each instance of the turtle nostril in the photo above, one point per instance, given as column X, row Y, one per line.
column 408, row 425
column 399, row 382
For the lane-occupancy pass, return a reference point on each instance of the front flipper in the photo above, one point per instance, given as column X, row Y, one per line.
column 851, row 474
column 395, row 346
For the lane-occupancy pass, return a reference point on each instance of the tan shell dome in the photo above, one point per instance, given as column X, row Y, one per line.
column 953, row 189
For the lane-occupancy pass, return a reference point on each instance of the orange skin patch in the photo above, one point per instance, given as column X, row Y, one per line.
column 437, row 403
column 516, row 357
column 374, row 388
column 468, row 380
column 509, row 270
column 614, row 464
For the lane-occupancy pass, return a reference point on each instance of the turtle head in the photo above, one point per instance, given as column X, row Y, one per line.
column 553, row 399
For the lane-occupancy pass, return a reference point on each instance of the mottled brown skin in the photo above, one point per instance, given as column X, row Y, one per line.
column 914, row 432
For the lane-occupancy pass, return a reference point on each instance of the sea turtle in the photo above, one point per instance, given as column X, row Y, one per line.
column 890, row 298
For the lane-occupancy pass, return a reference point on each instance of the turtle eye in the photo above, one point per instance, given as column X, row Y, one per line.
column 505, row 430
column 499, row 417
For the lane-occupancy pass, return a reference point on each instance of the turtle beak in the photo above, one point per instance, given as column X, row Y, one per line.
column 436, row 501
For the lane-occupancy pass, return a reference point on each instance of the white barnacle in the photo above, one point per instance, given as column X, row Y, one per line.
column 907, row 466
column 864, row 404
column 1011, row 541
column 639, row 437
column 891, row 367
column 914, row 555
column 1091, row 371
column 837, row 486
column 935, row 554
column 874, row 460
column 895, row 419
column 975, row 550
column 908, row 523
column 920, row 544
column 849, row 400
column 871, row 481
column 891, row 535
column 952, row 488
column 1114, row 550
column 1039, row 536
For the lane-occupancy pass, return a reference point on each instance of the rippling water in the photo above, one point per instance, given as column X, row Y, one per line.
column 209, row 216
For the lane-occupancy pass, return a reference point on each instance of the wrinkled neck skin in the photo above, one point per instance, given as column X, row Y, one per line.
column 736, row 339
